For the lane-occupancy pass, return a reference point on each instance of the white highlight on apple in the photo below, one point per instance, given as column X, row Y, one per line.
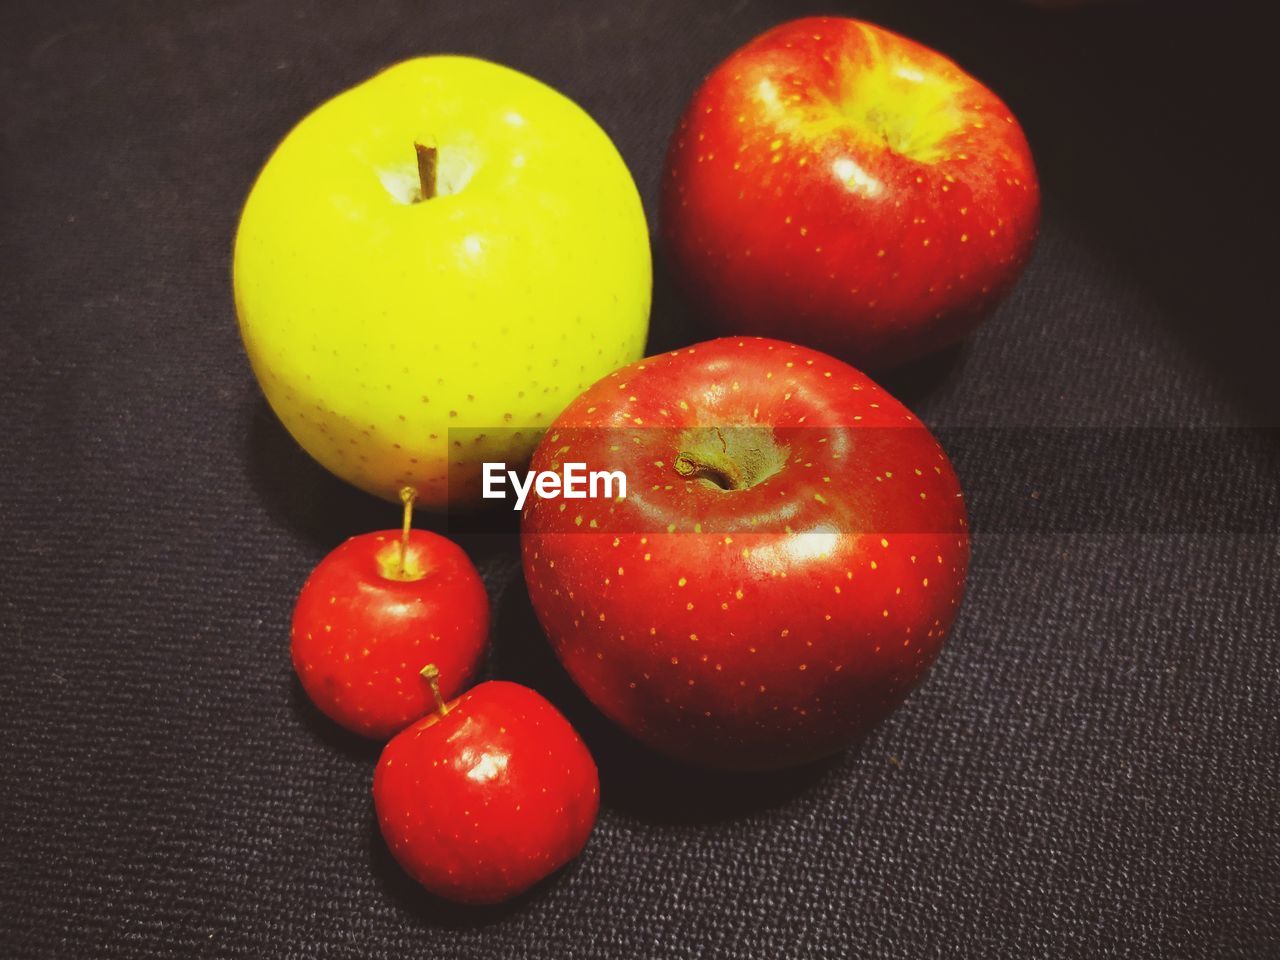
column 574, row 483
column 855, row 178
column 767, row 94
column 486, row 767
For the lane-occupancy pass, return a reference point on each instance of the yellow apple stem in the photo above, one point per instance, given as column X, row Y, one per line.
column 407, row 496
column 427, row 159
column 432, row 676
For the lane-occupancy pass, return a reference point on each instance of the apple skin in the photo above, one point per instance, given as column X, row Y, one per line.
column 757, row 627
column 480, row 804
column 362, row 632
column 376, row 324
column 850, row 189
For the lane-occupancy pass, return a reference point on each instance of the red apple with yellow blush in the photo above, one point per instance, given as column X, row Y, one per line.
column 850, row 189
column 786, row 563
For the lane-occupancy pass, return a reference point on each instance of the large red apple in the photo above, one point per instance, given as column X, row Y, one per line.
column 787, row 560
column 848, row 188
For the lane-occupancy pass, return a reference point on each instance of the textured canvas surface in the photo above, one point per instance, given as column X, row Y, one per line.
column 1089, row 770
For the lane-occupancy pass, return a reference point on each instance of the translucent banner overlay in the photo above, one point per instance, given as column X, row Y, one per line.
column 888, row 479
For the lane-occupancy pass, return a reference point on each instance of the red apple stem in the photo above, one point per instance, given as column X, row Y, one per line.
column 432, row 676
column 691, row 468
column 407, row 496
column 428, row 158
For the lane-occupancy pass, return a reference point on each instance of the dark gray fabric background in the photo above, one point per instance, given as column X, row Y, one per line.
column 1089, row 771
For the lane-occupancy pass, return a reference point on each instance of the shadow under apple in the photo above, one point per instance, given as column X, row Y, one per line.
column 305, row 714
column 673, row 322
column 924, row 384
column 302, row 496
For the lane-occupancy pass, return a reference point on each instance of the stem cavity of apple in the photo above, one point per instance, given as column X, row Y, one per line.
column 691, row 469
column 428, row 161
column 733, row 458
column 432, row 676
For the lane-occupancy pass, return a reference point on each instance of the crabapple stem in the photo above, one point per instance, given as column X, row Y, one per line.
column 427, row 160
column 407, row 496
column 432, row 676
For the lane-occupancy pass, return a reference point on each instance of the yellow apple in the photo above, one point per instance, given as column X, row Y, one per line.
column 449, row 246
